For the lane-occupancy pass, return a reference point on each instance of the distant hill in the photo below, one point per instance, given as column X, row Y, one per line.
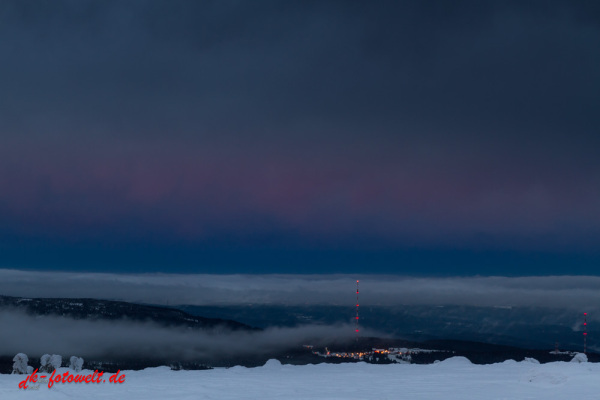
column 522, row 327
column 93, row 309
column 98, row 310
column 103, row 310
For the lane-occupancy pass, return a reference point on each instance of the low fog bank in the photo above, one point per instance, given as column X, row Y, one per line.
column 562, row 292
column 38, row 335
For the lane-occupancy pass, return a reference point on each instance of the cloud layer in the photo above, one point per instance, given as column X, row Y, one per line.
column 578, row 293
column 38, row 335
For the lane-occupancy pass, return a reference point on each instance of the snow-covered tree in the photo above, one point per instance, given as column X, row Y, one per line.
column 76, row 363
column 55, row 361
column 45, row 365
column 579, row 358
column 20, row 364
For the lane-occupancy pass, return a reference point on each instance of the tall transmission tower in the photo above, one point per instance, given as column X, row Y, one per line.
column 584, row 333
column 357, row 305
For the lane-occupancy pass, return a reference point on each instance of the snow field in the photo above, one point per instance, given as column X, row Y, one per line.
column 455, row 378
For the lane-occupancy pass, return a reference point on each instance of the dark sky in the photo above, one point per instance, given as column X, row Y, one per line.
column 415, row 138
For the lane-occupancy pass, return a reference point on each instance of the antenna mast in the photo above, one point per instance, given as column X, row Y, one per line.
column 357, row 311
column 584, row 333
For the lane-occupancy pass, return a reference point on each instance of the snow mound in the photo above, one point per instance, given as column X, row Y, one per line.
column 531, row 360
column 579, row 358
column 457, row 361
column 272, row 364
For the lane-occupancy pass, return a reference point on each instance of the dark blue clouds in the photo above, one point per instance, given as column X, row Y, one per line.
column 420, row 137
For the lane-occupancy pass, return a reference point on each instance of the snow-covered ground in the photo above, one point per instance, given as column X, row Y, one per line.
column 455, row 378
